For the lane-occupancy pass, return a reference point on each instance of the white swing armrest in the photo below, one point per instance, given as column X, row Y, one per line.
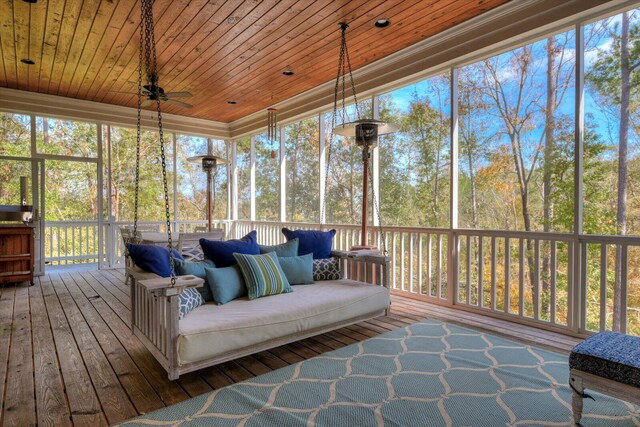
column 164, row 284
column 373, row 256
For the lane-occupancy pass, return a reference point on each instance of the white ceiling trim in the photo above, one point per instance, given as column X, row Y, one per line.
column 19, row 101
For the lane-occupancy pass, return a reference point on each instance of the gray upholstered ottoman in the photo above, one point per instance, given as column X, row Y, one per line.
column 607, row 362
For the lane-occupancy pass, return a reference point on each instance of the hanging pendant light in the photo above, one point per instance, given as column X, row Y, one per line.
column 365, row 131
column 209, row 164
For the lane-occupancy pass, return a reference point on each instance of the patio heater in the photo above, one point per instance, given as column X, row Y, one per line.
column 209, row 164
column 365, row 131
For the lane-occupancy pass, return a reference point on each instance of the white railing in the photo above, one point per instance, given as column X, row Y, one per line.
column 78, row 242
column 557, row 281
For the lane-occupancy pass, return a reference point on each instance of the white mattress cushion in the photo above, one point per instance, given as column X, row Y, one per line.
column 213, row 330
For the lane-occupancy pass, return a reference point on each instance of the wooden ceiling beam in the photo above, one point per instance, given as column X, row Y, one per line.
column 310, row 55
column 362, row 46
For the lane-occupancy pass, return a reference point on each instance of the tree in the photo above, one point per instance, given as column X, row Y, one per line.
column 614, row 77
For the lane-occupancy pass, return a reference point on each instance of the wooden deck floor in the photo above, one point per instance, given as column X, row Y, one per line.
column 67, row 355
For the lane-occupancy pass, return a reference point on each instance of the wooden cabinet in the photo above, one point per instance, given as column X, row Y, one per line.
column 16, row 253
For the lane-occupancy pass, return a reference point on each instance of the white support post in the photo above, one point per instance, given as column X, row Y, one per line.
column 253, row 178
column 577, row 304
column 234, row 180
column 375, row 167
column 112, row 236
column 283, row 178
column 100, row 195
column 227, row 153
column 323, row 170
column 452, row 244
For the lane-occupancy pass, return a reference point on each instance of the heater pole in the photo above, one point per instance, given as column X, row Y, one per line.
column 365, row 194
column 209, row 201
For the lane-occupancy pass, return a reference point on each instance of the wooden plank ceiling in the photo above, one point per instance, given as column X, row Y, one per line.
column 218, row 50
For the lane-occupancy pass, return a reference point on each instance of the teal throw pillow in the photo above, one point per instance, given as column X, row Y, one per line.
column 262, row 275
column 298, row 269
column 226, row 283
column 197, row 269
column 289, row 248
column 190, row 298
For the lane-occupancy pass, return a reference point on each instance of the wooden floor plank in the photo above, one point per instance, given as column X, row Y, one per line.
column 51, row 401
column 7, row 299
column 142, row 395
column 19, row 400
column 84, row 364
column 83, row 401
column 170, row 392
column 114, row 400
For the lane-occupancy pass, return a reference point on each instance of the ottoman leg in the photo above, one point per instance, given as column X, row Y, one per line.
column 576, row 398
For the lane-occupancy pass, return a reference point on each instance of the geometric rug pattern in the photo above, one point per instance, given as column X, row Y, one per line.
column 427, row 374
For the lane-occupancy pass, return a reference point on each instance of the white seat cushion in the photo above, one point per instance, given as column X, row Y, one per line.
column 213, row 330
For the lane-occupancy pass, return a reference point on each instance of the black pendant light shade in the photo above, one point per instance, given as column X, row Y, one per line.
column 365, row 131
column 209, row 162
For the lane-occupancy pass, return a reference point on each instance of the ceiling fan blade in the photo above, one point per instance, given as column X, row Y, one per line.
column 122, row 92
column 147, row 102
column 179, row 103
column 178, row 94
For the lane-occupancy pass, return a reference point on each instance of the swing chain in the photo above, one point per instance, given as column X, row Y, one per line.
column 147, row 30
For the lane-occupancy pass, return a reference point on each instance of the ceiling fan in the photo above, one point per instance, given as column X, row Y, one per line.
column 153, row 92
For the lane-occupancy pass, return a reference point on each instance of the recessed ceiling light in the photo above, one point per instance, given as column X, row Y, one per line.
column 31, row 1
column 232, row 102
column 287, row 72
column 27, row 61
column 381, row 23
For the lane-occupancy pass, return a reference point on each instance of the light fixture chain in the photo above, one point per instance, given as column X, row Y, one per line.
column 353, row 86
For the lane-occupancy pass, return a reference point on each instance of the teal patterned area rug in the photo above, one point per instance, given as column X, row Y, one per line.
column 426, row 374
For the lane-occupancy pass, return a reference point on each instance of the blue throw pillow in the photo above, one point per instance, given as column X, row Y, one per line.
column 226, row 284
column 221, row 251
column 154, row 259
column 326, row 269
column 313, row 242
column 289, row 248
column 196, row 268
column 262, row 275
column 190, row 298
column 298, row 269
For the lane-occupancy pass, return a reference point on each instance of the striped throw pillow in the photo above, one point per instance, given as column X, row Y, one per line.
column 262, row 275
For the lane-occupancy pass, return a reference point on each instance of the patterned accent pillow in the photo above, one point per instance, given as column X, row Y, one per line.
column 190, row 298
column 326, row 269
column 263, row 275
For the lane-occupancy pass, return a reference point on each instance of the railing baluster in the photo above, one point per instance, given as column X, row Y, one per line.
column 536, row 280
column 521, row 248
column 603, row 287
column 402, row 276
column 553, row 278
column 623, row 288
column 480, row 272
column 439, row 265
column 507, row 275
column 494, row 258
column 411, row 237
column 429, row 259
column 420, row 281
column 468, row 266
